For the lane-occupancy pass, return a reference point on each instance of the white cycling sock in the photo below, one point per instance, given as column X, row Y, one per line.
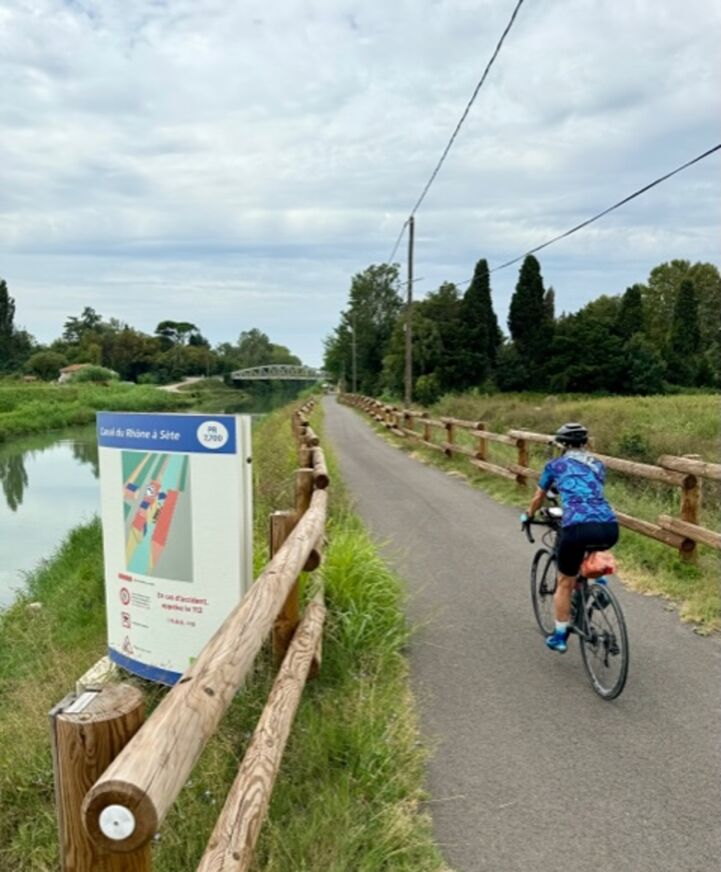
column 562, row 627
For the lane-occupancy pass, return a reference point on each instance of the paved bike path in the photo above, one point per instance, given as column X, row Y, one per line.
column 530, row 769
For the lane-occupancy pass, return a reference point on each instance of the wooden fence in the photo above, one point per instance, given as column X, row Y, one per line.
column 684, row 473
column 116, row 777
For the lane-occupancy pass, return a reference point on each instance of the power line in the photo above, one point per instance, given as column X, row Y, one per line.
column 398, row 242
column 468, row 107
column 458, row 127
column 610, row 209
column 601, row 214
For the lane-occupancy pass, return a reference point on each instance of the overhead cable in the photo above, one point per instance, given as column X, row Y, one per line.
column 398, row 242
column 468, row 108
column 610, row 209
column 458, row 127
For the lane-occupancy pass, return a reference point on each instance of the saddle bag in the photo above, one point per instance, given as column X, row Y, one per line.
column 598, row 563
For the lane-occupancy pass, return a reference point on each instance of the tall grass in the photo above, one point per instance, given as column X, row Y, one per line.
column 641, row 428
column 35, row 408
column 348, row 793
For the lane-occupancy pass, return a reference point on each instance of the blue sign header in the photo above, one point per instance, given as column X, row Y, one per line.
column 199, row 434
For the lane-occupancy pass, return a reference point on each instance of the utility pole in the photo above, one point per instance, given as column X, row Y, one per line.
column 354, row 359
column 409, row 329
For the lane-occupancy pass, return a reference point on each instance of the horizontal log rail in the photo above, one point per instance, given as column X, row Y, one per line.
column 460, row 422
column 321, row 478
column 654, row 531
column 690, row 531
column 540, row 438
column 643, row 470
column 494, row 437
column 232, row 843
column 454, row 448
column 503, row 471
column 691, row 467
column 146, row 776
column 683, row 473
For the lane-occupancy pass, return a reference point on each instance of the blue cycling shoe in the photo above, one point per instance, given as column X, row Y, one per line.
column 557, row 642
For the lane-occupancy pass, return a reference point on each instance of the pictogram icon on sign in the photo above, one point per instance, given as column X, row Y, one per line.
column 127, row 647
column 124, row 596
column 125, row 618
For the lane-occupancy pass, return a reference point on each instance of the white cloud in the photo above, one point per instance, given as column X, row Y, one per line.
column 234, row 164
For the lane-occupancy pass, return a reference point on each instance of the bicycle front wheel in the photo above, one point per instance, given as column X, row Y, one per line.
column 604, row 645
column 543, row 587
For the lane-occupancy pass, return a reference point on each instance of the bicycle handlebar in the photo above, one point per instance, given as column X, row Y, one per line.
column 526, row 523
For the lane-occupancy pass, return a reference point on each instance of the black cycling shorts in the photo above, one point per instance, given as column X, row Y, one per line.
column 574, row 541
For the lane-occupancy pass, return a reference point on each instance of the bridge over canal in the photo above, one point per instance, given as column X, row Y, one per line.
column 280, row 372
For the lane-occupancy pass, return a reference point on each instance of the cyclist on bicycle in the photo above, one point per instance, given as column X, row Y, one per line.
column 588, row 521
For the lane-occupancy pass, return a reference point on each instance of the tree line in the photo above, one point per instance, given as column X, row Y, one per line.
column 657, row 336
column 176, row 349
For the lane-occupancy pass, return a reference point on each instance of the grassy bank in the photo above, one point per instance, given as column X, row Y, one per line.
column 348, row 791
column 32, row 408
column 638, row 428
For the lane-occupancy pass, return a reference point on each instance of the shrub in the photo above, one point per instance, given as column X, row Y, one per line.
column 94, row 374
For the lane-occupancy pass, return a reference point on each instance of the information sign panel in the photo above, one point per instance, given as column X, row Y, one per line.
column 175, row 495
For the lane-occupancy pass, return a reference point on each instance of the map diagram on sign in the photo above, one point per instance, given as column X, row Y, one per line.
column 156, row 505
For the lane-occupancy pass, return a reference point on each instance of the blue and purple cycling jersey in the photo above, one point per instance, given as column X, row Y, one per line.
column 579, row 478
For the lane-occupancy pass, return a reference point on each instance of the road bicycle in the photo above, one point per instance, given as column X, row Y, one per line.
column 596, row 615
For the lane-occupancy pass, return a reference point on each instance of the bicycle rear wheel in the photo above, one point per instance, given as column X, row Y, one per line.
column 543, row 587
column 605, row 647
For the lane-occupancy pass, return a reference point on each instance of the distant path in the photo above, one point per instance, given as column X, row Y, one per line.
column 191, row 379
column 531, row 770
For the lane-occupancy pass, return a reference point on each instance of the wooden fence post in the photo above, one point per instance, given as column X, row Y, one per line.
column 87, row 733
column 449, row 437
column 281, row 526
column 408, row 421
column 426, row 427
column 522, row 446
column 303, row 489
column 481, row 450
column 690, row 505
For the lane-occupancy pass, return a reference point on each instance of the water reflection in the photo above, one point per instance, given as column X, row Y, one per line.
column 87, row 452
column 17, row 454
column 14, row 478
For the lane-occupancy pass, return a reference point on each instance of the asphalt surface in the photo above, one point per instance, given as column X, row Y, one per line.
column 530, row 769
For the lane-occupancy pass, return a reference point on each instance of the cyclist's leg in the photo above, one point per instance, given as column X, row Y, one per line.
column 569, row 555
column 562, row 597
column 571, row 551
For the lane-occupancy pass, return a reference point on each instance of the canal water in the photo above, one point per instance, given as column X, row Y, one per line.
column 48, row 485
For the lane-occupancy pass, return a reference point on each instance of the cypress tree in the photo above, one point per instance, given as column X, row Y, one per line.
column 7, row 327
column 528, row 319
column 549, row 302
column 630, row 317
column 685, row 337
column 480, row 333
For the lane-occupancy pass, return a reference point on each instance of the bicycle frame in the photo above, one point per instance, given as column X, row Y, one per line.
column 553, row 525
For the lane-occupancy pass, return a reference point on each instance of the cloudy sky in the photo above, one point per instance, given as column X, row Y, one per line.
column 234, row 164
